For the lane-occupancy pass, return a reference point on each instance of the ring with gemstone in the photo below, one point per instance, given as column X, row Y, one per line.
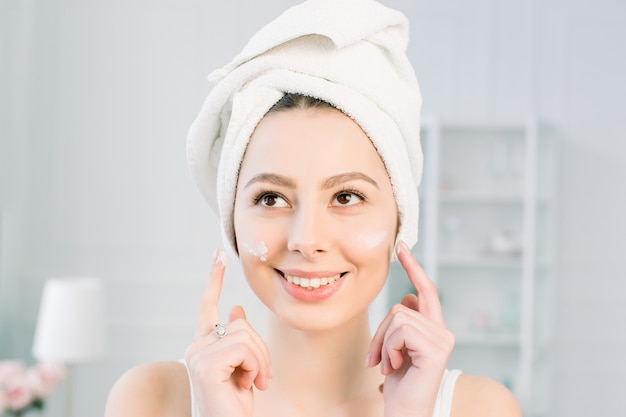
column 220, row 331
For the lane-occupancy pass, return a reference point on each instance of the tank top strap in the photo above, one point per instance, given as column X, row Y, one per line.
column 194, row 406
column 443, row 404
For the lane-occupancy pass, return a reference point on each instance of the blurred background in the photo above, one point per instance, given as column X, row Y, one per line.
column 523, row 221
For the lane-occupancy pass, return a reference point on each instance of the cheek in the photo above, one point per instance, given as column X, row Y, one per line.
column 256, row 248
column 370, row 242
column 375, row 236
column 256, row 241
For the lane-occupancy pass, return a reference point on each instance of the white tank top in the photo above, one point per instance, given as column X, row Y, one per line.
column 443, row 404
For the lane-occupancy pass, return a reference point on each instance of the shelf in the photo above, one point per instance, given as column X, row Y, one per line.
column 503, row 262
column 479, row 198
column 501, row 129
column 487, row 262
column 459, row 197
column 490, row 186
column 505, row 340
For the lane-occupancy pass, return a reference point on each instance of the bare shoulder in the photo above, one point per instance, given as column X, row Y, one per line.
column 478, row 396
column 159, row 389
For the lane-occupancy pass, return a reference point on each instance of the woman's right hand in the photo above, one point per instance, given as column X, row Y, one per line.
column 225, row 369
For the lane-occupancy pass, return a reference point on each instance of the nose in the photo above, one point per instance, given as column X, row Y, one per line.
column 308, row 233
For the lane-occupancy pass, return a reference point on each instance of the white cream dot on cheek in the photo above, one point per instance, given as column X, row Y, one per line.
column 257, row 249
column 373, row 239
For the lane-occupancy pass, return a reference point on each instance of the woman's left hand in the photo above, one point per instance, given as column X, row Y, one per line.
column 412, row 345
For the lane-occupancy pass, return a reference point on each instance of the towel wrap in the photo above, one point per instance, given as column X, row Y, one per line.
column 350, row 53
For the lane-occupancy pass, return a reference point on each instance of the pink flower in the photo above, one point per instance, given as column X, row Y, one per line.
column 18, row 391
column 19, row 387
column 44, row 376
column 10, row 368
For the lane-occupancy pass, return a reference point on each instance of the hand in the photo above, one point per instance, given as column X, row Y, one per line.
column 224, row 370
column 412, row 345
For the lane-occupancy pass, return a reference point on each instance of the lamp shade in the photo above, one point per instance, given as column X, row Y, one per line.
column 70, row 326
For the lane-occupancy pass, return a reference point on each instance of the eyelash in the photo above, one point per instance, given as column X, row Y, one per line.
column 263, row 193
column 351, row 191
column 258, row 197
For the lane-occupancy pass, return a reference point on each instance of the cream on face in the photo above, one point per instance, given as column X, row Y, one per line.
column 257, row 249
column 374, row 239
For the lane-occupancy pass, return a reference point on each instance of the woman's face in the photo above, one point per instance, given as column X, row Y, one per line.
column 315, row 217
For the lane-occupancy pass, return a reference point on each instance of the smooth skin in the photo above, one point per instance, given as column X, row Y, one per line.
column 326, row 194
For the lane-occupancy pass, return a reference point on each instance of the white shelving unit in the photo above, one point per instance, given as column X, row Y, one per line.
column 486, row 204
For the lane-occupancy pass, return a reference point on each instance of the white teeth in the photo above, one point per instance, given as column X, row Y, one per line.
column 313, row 282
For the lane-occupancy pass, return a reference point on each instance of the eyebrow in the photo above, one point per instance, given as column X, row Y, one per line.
column 272, row 179
column 348, row 176
column 329, row 183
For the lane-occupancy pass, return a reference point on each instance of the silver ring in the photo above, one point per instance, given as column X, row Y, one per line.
column 220, row 331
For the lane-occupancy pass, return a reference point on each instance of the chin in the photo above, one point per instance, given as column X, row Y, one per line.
column 316, row 321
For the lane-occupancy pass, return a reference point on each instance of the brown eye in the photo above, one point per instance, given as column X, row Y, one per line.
column 347, row 199
column 270, row 200
column 344, row 199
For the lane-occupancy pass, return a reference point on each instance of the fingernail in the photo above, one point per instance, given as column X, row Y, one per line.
column 368, row 358
column 399, row 246
column 219, row 257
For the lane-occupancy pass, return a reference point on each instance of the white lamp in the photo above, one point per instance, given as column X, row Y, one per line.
column 71, row 326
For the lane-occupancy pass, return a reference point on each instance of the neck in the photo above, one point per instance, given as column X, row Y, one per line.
column 328, row 364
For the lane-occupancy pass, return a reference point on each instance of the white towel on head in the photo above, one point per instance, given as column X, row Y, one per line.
column 350, row 53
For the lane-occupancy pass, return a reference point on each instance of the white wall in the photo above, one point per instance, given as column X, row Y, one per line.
column 96, row 100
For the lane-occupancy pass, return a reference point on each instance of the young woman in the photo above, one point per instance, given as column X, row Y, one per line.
column 316, row 200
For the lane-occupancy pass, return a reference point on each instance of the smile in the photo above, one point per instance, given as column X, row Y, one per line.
column 310, row 283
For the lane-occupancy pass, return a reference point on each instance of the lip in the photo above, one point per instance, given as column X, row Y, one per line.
column 311, row 295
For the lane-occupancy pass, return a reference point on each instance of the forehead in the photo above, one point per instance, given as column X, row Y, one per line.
column 310, row 142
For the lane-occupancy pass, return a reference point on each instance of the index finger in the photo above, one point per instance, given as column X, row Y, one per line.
column 427, row 299
column 209, row 313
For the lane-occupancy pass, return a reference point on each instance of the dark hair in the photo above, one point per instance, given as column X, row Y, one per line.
column 299, row 101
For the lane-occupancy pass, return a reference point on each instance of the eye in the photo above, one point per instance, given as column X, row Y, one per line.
column 348, row 198
column 268, row 199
